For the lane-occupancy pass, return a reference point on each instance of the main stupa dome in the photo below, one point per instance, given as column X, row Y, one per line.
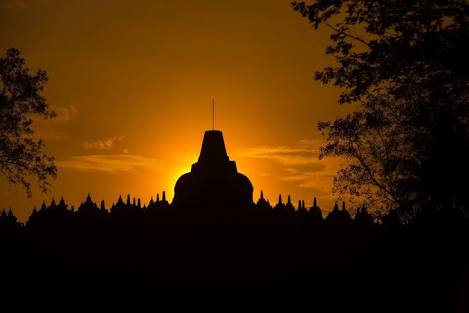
column 213, row 182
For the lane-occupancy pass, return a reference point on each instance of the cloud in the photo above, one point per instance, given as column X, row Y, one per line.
column 320, row 182
column 303, row 176
column 105, row 144
column 301, row 165
column 109, row 162
column 50, row 134
column 314, row 178
column 53, row 129
column 305, row 153
column 65, row 114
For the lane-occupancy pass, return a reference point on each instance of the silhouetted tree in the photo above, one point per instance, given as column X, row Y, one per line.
column 405, row 64
column 391, row 219
column 21, row 154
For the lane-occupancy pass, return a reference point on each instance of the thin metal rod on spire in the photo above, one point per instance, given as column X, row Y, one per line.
column 213, row 113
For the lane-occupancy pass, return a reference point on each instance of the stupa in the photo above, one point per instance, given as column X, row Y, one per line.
column 213, row 182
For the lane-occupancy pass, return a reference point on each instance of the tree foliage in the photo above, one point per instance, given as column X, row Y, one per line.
column 405, row 64
column 21, row 154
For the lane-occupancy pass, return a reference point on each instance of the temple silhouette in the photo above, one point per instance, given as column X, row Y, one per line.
column 214, row 181
column 212, row 246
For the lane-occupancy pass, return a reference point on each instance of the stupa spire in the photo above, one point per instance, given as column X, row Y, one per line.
column 213, row 113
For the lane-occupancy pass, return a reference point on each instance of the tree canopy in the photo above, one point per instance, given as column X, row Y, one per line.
column 405, row 64
column 22, row 155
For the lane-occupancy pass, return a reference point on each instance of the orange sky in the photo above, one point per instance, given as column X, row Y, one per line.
column 132, row 82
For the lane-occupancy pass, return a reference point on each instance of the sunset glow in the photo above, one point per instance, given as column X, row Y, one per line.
column 133, row 88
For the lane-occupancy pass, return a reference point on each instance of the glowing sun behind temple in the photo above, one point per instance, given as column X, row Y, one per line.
column 134, row 101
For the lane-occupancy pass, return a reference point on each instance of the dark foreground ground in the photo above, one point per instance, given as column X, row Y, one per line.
column 241, row 266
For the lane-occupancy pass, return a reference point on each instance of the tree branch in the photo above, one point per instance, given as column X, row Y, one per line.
column 371, row 175
column 347, row 34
